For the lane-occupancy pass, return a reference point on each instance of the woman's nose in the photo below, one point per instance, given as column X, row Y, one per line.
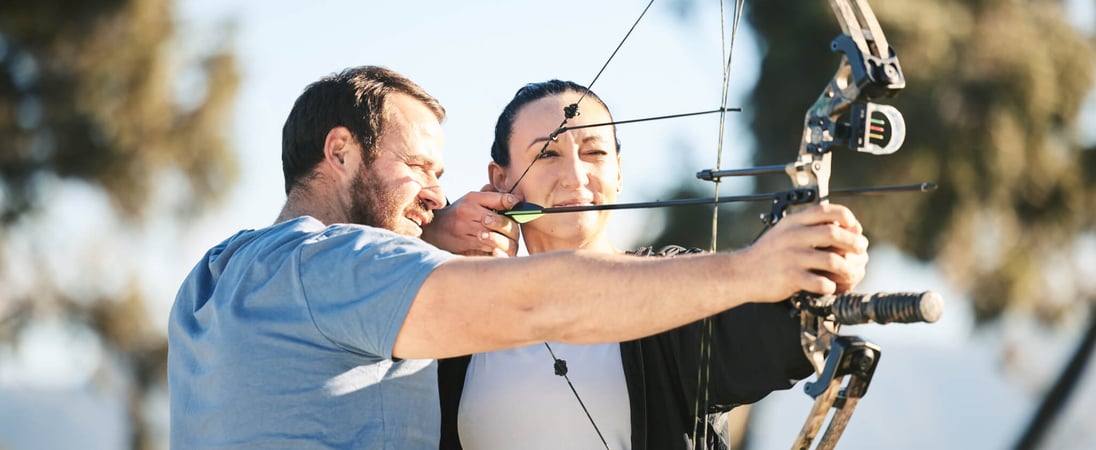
column 576, row 174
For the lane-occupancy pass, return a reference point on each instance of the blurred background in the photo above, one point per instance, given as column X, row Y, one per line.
column 136, row 134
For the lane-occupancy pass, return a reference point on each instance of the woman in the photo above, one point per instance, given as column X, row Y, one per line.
column 640, row 394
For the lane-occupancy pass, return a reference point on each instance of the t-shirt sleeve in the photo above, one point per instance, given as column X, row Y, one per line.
column 359, row 283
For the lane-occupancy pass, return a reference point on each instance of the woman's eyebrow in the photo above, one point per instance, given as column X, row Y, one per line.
column 538, row 140
column 593, row 137
column 596, row 137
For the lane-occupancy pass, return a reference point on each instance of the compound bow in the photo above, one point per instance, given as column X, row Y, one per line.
column 842, row 116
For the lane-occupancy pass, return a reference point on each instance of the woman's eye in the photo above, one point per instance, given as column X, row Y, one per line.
column 548, row 154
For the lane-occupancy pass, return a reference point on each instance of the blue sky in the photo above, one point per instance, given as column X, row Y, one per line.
column 944, row 385
column 473, row 56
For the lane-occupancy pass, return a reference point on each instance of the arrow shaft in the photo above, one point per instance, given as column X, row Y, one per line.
column 712, row 200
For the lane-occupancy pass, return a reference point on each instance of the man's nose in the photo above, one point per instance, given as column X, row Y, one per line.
column 432, row 196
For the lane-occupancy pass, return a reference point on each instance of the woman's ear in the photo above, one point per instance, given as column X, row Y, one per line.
column 497, row 174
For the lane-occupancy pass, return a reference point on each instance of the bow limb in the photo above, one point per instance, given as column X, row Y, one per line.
column 868, row 69
column 866, row 27
column 817, row 415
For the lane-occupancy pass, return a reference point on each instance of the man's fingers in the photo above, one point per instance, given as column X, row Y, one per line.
column 510, row 200
column 843, row 271
column 817, row 283
column 470, row 225
column 828, row 236
column 827, row 213
column 495, row 201
column 844, row 240
column 496, row 243
column 500, row 224
column 820, row 249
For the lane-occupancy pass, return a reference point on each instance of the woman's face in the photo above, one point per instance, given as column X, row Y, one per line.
column 581, row 167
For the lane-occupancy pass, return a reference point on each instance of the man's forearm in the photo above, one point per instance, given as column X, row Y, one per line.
column 480, row 304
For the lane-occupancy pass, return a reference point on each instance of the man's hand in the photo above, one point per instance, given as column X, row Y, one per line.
column 821, row 249
column 471, row 227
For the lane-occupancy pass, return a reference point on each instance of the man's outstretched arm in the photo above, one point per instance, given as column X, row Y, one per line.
column 471, row 305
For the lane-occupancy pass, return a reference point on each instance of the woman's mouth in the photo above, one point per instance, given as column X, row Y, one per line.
column 576, row 202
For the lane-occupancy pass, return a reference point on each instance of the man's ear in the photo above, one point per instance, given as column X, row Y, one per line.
column 338, row 150
column 497, row 175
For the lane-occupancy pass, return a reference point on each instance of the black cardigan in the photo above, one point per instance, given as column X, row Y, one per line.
column 755, row 350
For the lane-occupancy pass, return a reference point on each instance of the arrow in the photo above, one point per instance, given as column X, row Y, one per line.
column 524, row 212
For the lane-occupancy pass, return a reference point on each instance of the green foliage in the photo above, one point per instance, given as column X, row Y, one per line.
column 86, row 93
column 992, row 106
column 89, row 92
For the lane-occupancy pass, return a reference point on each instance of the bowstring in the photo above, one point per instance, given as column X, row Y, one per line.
column 560, row 365
column 572, row 110
column 705, row 351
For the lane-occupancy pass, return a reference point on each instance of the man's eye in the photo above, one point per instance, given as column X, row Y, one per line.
column 426, row 170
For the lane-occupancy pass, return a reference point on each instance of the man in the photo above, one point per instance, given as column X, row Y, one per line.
column 321, row 330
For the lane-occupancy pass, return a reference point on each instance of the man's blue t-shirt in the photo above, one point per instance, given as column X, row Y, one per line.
column 282, row 338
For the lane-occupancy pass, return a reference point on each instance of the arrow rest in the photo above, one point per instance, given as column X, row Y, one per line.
column 786, row 199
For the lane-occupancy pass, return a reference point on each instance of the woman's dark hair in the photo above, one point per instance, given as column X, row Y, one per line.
column 353, row 98
column 500, row 149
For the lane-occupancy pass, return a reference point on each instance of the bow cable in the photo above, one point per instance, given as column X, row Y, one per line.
column 570, row 112
column 704, row 364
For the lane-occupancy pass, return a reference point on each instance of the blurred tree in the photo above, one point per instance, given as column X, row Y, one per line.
column 103, row 93
column 993, row 105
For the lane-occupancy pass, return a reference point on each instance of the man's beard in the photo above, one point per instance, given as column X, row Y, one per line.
column 376, row 205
